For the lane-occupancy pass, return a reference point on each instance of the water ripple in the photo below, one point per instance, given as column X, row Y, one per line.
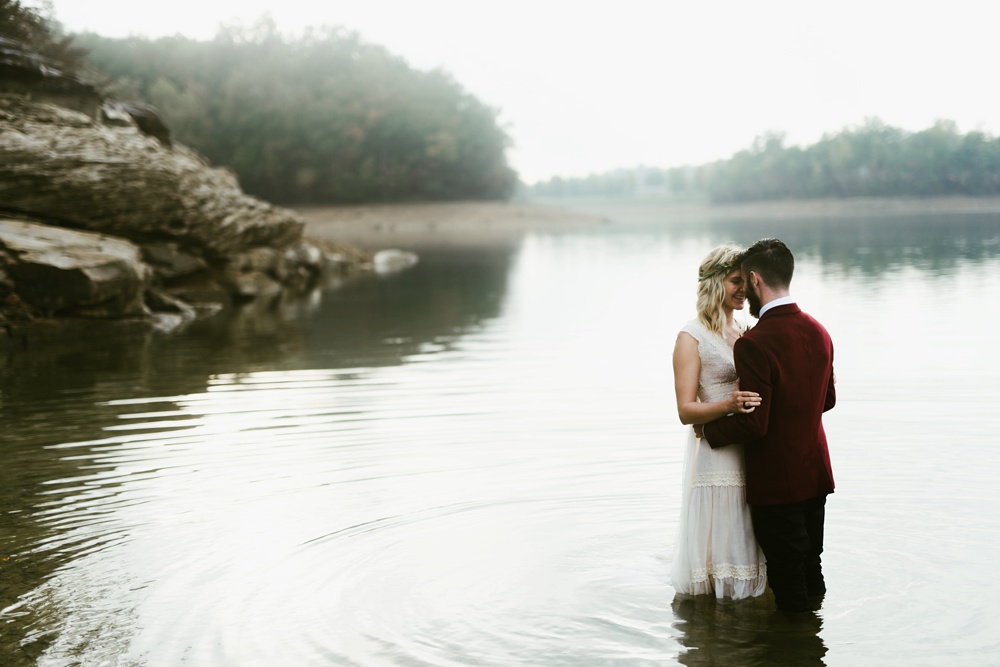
column 496, row 492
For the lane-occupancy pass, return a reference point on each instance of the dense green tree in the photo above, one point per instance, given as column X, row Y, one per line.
column 872, row 159
column 322, row 118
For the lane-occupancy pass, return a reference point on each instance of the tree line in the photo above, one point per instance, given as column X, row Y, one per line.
column 872, row 159
column 323, row 117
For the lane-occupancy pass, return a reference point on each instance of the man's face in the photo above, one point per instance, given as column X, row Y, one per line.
column 752, row 295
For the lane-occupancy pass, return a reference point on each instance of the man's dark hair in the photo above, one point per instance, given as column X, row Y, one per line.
column 771, row 260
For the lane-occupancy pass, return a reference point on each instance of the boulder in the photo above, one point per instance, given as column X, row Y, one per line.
column 254, row 274
column 62, row 271
column 103, row 215
column 391, row 260
column 147, row 119
column 26, row 72
column 170, row 260
column 69, row 169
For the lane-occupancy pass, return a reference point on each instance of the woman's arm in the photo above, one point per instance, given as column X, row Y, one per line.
column 687, row 368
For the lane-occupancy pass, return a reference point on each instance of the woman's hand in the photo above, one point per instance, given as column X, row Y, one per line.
column 743, row 402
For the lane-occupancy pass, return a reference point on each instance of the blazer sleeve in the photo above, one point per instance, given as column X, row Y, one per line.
column 831, row 391
column 754, row 370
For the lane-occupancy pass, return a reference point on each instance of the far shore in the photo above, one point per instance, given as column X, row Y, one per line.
column 847, row 207
column 375, row 226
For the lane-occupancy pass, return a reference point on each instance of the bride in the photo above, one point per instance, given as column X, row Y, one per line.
column 716, row 552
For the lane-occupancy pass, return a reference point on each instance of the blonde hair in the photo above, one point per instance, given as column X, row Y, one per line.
column 712, row 273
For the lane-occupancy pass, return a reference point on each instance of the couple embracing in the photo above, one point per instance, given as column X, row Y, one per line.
column 757, row 469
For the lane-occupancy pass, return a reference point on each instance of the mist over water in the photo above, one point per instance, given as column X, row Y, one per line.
column 476, row 462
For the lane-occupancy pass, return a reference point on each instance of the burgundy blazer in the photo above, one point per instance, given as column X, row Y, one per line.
column 788, row 359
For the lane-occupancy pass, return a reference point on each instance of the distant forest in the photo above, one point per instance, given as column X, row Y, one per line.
column 871, row 160
column 322, row 118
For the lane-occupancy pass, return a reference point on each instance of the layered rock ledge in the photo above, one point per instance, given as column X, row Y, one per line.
column 100, row 217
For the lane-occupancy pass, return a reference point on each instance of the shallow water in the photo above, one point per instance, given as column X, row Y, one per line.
column 475, row 462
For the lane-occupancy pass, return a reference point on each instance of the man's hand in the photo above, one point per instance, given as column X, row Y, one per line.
column 699, row 432
column 743, row 402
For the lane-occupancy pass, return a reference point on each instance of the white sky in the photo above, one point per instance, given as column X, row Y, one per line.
column 586, row 87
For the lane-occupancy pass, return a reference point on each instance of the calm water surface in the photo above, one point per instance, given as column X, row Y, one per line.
column 476, row 462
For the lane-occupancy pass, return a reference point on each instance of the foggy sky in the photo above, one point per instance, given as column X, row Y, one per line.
column 585, row 88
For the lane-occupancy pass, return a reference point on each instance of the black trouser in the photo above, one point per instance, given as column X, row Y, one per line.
column 791, row 537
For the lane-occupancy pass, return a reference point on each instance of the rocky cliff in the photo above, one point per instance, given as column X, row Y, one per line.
column 103, row 216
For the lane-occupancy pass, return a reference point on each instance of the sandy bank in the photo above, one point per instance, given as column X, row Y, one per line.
column 450, row 223
column 485, row 223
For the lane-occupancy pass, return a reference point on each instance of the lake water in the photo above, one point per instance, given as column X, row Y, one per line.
column 476, row 462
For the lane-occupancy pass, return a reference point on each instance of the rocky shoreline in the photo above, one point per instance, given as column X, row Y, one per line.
column 103, row 217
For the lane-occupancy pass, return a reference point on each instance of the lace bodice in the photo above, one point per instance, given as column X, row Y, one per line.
column 718, row 373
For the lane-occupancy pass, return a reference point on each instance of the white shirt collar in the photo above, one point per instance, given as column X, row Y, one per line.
column 780, row 301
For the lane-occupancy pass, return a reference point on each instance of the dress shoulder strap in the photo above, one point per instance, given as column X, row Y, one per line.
column 698, row 330
column 706, row 339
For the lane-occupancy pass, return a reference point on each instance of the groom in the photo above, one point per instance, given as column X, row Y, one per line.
column 788, row 359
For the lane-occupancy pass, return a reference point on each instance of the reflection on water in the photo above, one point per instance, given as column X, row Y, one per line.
column 475, row 462
column 876, row 246
column 746, row 633
column 871, row 245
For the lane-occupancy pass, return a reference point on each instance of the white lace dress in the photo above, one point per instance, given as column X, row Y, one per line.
column 715, row 550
